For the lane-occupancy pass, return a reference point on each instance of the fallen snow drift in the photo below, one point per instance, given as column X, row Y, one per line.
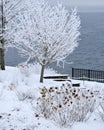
column 19, row 88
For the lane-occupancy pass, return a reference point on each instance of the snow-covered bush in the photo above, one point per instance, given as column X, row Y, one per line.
column 33, row 68
column 65, row 104
column 11, row 86
column 1, row 90
column 25, row 93
column 24, row 68
column 101, row 112
column 101, row 105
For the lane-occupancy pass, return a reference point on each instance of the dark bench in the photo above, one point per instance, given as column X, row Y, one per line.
column 59, row 80
column 56, row 77
column 76, row 85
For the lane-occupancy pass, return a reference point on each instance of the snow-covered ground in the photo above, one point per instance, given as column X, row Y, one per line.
column 19, row 87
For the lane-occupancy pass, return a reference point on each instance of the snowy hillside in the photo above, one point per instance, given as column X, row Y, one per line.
column 19, row 91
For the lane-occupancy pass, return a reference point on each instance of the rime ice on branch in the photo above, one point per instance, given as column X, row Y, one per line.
column 46, row 33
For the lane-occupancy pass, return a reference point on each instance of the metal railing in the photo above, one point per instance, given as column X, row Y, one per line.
column 86, row 74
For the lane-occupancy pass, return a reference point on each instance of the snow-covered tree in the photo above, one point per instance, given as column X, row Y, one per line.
column 8, row 10
column 47, row 33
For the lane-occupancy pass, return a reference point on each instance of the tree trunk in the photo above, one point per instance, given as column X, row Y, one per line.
column 2, row 28
column 42, row 73
column 2, row 62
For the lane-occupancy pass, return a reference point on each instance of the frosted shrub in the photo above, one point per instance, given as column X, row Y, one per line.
column 33, row 68
column 11, row 86
column 1, row 91
column 65, row 104
column 101, row 113
column 101, row 104
column 24, row 68
column 28, row 69
column 25, row 93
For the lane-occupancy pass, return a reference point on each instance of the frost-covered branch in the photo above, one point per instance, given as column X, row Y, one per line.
column 8, row 10
column 46, row 33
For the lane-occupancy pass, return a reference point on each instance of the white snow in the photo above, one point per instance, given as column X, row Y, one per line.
column 19, row 88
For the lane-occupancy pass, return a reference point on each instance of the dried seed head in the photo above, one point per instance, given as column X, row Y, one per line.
column 53, row 90
column 65, row 97
column 58, row 92
column 91, row 93
column 60, row 106
column 70, row 97
column 43, row 95
column 70, row 90
column 74, row 90
column 86, row 97
column 73, row 94
column 76, row 95
column 39, row 123
column 36, row 115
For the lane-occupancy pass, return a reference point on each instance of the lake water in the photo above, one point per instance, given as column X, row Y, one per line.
column 90, row 52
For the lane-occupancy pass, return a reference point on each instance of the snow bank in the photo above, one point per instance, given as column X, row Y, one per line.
column 18, row 90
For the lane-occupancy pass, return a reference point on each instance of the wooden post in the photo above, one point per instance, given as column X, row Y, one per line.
column 72, row 72
column 88, row 75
